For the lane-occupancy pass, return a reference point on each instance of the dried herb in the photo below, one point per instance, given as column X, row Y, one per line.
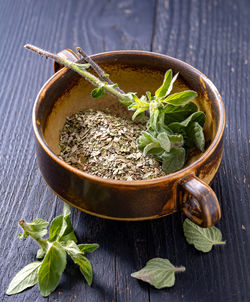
column 174, row 125
column 104, row 144
column 62, row 240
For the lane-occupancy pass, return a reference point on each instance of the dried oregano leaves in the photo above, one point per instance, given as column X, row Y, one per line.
column 103, row 144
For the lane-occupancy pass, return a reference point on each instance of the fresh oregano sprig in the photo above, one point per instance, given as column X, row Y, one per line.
column 174, row 123
column 53, row 252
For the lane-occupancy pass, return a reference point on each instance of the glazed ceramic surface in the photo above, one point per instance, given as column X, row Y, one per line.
column 188, row 189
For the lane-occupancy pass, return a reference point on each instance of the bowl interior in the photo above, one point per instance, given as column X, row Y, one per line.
column 67, row 93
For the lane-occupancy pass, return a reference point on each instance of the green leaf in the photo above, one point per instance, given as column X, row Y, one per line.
column 66, row 209
column 138, row 105
column 198, row 117
column 51, row 269
column 40, row 253
column 164, row 141
column 55, row 228
column 195, row 133
column 72, row 248
column 97, row 92
column 154, row 113
column 180, row 98
column 178, row 113
column 162, row 91
column 61, row 228
column 85, row 267
column 176, row 140
column 173, row 160
column 149, row 147
column 203, row 239
column 67, row 231
column 88, row 247
column 81, row 66
column 158, row 272
column 36, row 229
column 26, row 277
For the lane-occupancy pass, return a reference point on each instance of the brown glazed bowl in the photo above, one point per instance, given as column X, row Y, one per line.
column 186, row 190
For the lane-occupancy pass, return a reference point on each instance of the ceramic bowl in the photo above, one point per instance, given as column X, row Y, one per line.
column 186, row 190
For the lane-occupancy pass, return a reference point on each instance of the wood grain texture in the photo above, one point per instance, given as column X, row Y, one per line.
column 213, row 36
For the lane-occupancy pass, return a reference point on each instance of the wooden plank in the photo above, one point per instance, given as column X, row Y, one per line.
column 213, row 36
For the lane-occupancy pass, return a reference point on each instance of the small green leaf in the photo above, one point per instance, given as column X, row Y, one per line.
column 164, row 141
column 154, row 114
column 88, row 247
column 61, row 228
column 51, row 269
column 180, row 98
column 149, row 147
column 66, row 209
column 203, row 239
column 36, row 229
column 178, row 113
column 55, row 228
column 138, row 105
column 97, row 92
column 85, row 267
column 195, row 133
column 81, row 66
column 162, row 91
column 26, row 277
column 148, row 94
column 40, row 253
column 198, row 117
column 176, row 140
column 173, row 160
column 158, row 272
column 72, row 248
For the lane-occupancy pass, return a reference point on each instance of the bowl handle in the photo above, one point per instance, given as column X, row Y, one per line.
column 202, row 207
column 66, row 54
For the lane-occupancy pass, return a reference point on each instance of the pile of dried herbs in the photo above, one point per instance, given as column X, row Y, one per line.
column 103, row 144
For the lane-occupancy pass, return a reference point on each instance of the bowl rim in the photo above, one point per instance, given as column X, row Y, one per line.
column 133, row 183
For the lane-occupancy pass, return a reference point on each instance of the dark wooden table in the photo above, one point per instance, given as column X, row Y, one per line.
column 211, row 35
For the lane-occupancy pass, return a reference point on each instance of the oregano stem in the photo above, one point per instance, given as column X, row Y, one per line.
column 102, row 74
column 87, row 75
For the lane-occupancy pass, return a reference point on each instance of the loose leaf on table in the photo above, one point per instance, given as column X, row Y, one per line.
column 85, row 267
column 173, row 160
column 26, row 277
column 158, row 272
column 51, row 269
column 88, row 247
column 180, row 98
column 203, row 239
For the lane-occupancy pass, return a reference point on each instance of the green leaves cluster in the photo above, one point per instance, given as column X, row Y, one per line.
column 175, row 125
column 53, row 252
